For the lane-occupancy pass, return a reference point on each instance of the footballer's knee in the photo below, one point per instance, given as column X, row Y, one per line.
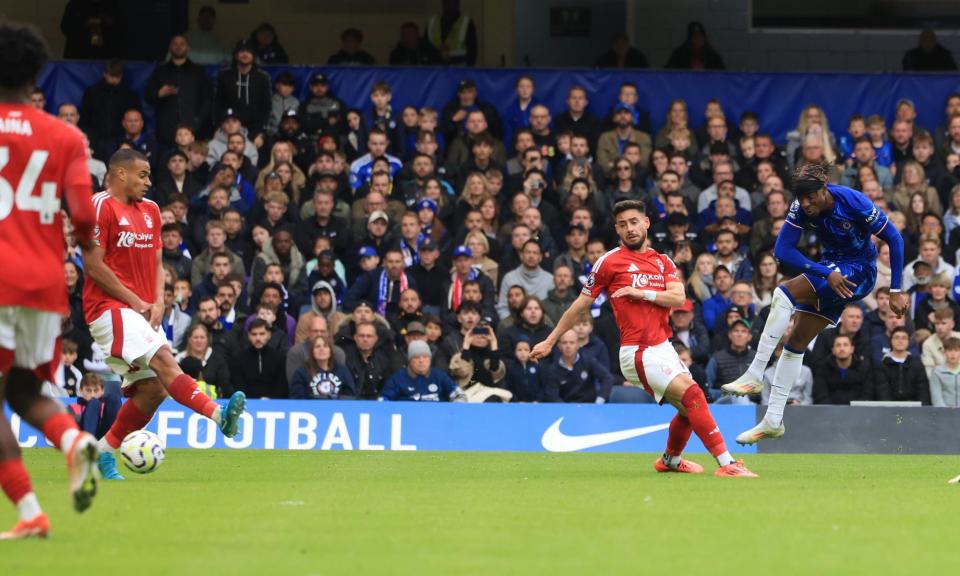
column 165, row 365
column 150, row 394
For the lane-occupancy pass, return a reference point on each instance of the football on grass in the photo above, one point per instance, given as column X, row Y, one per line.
column 142, row 451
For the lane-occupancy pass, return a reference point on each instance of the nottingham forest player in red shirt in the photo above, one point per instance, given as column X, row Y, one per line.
column 42, row 161
column 123, row 304
column 643, row 287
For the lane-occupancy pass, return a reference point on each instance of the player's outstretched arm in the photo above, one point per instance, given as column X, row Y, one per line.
column 99, row 272
column 786, row 251
column 566, row 322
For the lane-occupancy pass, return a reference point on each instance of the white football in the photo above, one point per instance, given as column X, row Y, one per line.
column 142, row 451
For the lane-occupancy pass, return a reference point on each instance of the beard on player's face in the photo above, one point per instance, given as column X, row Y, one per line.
column 636, row 242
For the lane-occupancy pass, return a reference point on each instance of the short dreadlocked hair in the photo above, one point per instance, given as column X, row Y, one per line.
column 22, row 54
column 819, row 171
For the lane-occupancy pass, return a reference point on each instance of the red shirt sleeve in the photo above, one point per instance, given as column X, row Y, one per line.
column 599, row 278
column 77, row 185
column 103, row 231
column 669, row 270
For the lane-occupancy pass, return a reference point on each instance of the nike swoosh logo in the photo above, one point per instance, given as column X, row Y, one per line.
column 554, row 440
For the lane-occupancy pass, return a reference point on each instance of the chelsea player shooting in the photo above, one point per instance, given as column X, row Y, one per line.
column 844, row 221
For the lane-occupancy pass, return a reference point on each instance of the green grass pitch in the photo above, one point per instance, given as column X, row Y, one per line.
column 325, row 513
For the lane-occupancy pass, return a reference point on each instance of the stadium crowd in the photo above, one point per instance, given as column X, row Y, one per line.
column 316, row 251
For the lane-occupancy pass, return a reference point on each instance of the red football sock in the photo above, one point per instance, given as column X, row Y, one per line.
column 679, row 434
column 129, row 419
column 698, row 413
column 184, row 390
column 56, row 425
column 14, row 479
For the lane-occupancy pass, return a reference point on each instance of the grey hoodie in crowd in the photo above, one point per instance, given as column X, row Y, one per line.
column 218, row 145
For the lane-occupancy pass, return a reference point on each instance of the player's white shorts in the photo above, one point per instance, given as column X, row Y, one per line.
column 653, row 368
column 128, row 342
column 30, row 339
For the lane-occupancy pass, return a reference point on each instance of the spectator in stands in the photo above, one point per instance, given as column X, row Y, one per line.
column 245, row 89
column 315, row 327
column 719, row 301
column 928, row 56
column 266, row 45
column 812, row 124
column 865, row 155
column 208, row 314
column 733, row 359
column 419, row 382
column 530, row 323
column 529, row 275
column 695, row 53
column 938, row 290
column 914, row 181
column 454, row 35
column 612, row 143
column 517, row 116
column 370, row 358
column 322, row 112
column 38, row 100
column 689, row 331
column 524, row 379
column 455, row 120
column 171, row 239
column 842, row 377
column 382, row 285
column 321, row 377
column 477, row 368
column 588, row 343
column 282, row 252
column 901, row 136
column 933, row 347
column 136, row 137
column 180, row 91
column 877, row 131
column 283, row 104
column 362, row 168
column 563, row 293
column 730, row 256
column 97, row 408
column 230, row 124
column 901, row 376
column 412, row 49
column 351, row 51
column 577, row 119
column 622, row 55
column 205, row 45
column 945, row 379
column 324, row 223
column 174, row 321
column 68, row 113
column 216, row 237
column 574, row 378
column 929, row 253
column 175, row 179
column 851, row 325
column 213, row 366
column 258, row 368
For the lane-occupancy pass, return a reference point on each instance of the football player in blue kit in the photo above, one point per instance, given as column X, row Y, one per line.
column 843, row 220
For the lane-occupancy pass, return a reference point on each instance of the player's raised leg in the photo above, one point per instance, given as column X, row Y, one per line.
column 782, row 308
column 687, row 397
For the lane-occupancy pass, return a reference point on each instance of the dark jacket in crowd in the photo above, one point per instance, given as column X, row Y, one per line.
column 214, row 370
column 902, row 381
column 101, row 117
column 249, row 95
column 451, row 129
column 525, row 382
column 190, row 105
column 833, row 385
column 260, row 373
column 367, row 287
column 424, row 54
column 403, row 385
column 587, row 381
column 336, row 229
column 370, row 374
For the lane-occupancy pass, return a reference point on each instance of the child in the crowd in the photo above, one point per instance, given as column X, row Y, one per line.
column 856, row 128
column 407, row 132
column 95, row 409
column 749, row 124
column 427, row 122
column 283, row 100
column 434, row 329
column 71, row 374
column 380, row 114
column 877, row 130
column 523, row 378
column 945, row 378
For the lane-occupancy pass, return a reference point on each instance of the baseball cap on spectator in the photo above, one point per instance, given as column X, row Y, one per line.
column 271, row 176
column 687, row 306
column 366, row 252
column 180, row 153
column 364, row 304
column 415, row 328
column 291, row 113
column 429, row 246
column 378, row 215
column 427, row 203
column 286, row 79
column 324, row 174
column 462, row 251
column 418, row 348
column 318, row 78
column 244, row 47
column 466, row 84
column 326, row 255
column 229, row 113
column 621, row 107
column 743, row 322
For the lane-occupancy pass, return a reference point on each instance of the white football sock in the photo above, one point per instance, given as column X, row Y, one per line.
column 788, row 370
column 781, row 310
column 671, row 461
column 28, row 507
column 724, row 459
column 217, row 415
column 104, row 447
column 66, row 440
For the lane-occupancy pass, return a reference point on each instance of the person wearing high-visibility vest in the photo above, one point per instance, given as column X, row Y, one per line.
column 453, row 34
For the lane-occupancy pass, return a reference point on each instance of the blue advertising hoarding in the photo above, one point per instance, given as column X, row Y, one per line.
column 319, row 425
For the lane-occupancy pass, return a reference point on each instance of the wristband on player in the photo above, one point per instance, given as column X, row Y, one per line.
column 650, row 295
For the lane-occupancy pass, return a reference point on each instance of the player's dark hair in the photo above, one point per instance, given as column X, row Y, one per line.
column 22, row 54
column 810, row 177
column 624, row 205
column 126, row 156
